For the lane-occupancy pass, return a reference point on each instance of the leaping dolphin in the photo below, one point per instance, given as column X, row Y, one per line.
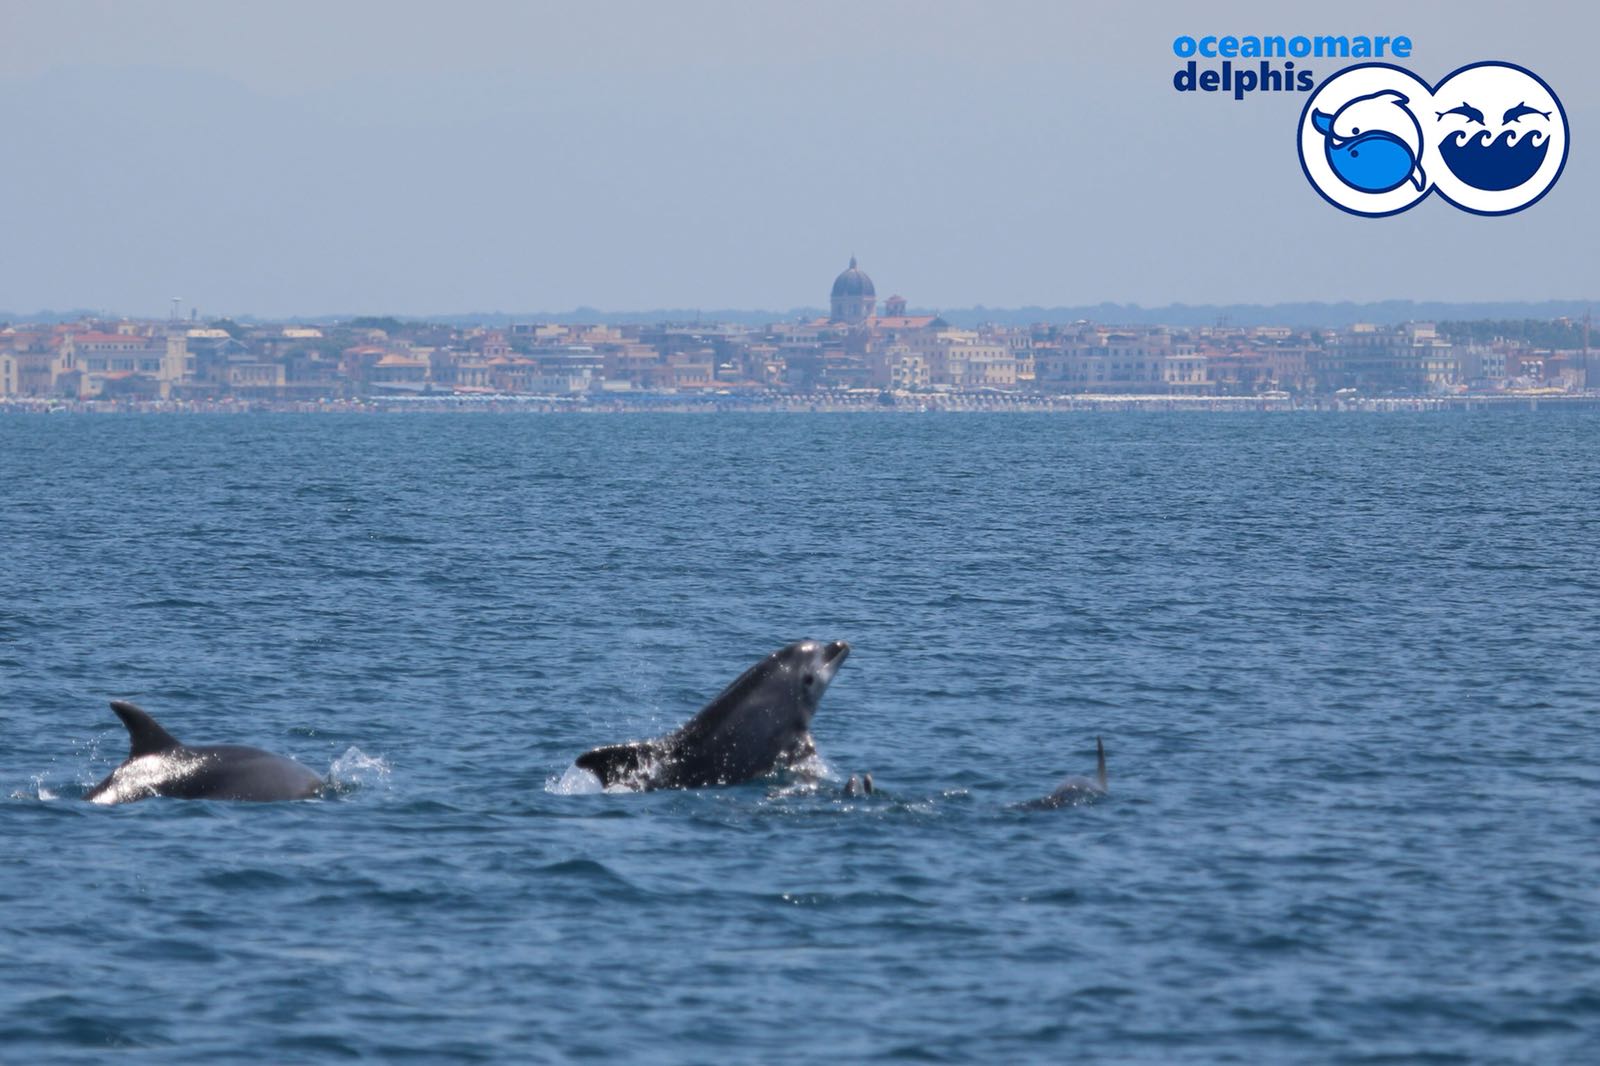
column 758, row 724
column 1520, row 112
column 159, row 765
column 1466, row 111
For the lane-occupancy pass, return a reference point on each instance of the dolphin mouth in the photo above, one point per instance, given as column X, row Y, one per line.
column 835, row 653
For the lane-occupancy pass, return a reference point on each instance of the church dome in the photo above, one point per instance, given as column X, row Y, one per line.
column 853, row 282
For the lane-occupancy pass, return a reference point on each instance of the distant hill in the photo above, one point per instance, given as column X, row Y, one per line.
column 1331, row 315
column 72, row 315
column 1290, row 314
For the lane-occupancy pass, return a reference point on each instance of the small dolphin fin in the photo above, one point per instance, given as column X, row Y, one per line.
column 1418, row 179
column 1100, row 763
column 145, row 737
column 616, row 763
column 1322, row 121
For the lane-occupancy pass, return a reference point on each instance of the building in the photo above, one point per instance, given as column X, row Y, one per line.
column 1097, row 359
column 122, row 364
column 1408, row 358
column 854, row 299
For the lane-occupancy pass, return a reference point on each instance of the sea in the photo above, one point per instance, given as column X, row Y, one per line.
column 1345, row 667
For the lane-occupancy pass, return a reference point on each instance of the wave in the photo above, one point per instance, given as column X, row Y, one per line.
column 1505, row 163
column 1481, row 139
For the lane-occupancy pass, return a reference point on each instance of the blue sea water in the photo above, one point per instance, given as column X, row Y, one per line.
column 1346, row 668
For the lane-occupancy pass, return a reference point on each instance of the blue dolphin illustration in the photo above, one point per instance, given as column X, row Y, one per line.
column 1373, row 143
column 1521, row 111
column 1466, row 111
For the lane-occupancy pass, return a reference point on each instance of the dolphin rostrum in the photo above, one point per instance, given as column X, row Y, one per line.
column 758, row 724
column 159, row 765
column 859, row 786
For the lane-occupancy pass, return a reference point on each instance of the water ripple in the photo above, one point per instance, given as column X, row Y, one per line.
column 1345, row 670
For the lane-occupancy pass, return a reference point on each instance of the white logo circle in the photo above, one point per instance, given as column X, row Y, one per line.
column 1491, row 138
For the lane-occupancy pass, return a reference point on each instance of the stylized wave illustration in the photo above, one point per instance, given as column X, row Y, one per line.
column 1504, row 163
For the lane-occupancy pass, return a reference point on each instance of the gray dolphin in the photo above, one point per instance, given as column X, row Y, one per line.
column 158, row 765
column 760, row 722
column 1077, row 788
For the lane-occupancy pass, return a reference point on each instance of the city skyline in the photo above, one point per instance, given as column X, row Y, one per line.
column 865, row 349
column 306, row 161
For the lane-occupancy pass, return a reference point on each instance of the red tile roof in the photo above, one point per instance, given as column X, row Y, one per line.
column 112, row 338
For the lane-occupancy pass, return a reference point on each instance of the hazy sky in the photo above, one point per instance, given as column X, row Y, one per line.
column 384, row 156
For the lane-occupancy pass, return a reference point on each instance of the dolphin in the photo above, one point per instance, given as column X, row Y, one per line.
column 1373, row 143
column 159, row 765
column 1521, row 111
column 1075, row 789
column 759, row 723
column 1466, row 111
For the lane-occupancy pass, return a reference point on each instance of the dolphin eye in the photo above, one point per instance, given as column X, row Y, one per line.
column 808, row 680
column 1355, row 131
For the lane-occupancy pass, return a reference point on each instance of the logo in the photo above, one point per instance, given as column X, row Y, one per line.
column 1375, row 139
column 1256, row 71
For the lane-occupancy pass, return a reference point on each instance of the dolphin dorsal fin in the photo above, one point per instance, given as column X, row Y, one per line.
column 145, row 737
column 1100, row 763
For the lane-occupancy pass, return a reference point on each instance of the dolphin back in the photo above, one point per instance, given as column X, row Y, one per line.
column 235, row 772
column 159, row 765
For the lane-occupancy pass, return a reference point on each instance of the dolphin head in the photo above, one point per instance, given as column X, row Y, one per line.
column 1385, row 110
column 764, row 717
column 805, row 668
column 782, row 691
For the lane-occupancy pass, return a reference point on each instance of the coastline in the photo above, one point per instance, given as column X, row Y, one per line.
column 804, row 403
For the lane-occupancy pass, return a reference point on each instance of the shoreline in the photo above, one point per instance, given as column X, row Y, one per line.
column 802, row 404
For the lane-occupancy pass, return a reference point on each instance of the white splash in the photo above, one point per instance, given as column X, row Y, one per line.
column 574, row 781
column 39, row 791
column 812, row 768
column 356, row 769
